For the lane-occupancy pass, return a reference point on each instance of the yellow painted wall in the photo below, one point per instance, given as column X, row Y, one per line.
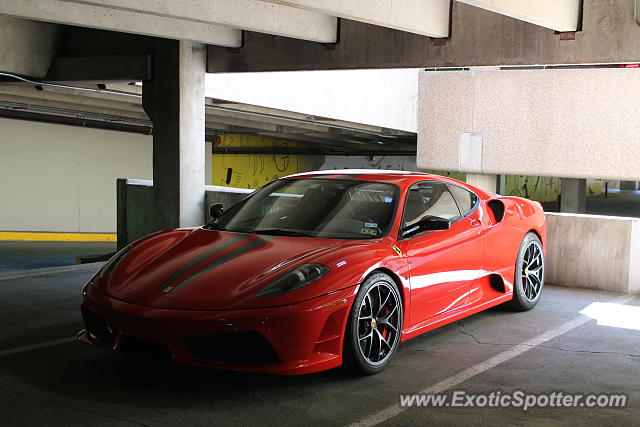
column 255, row 170
column 539, row 188
column 543, row 189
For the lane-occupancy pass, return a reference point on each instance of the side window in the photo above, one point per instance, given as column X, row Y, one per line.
column 466, row 199
column 429, row 199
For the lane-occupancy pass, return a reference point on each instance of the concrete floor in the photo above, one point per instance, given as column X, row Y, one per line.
column 617, row 203
column 23, row 256
column 71, row 384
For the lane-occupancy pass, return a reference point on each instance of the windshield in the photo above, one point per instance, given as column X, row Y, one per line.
column 326, row 208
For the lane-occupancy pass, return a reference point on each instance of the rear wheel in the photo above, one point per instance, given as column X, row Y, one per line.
column 529, row 277
column 374, row 326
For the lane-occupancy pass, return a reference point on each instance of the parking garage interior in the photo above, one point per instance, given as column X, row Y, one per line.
column 122, row 118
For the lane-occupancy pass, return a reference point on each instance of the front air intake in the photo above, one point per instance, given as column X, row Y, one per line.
column 99, row 331
column 232, row 347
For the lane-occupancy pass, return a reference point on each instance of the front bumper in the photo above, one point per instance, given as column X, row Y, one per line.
column 294, row 339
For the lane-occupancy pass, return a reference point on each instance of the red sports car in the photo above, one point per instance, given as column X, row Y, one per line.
column 320, row 269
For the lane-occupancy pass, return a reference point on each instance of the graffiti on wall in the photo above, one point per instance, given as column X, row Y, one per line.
column 542, row 189
column 255, row 170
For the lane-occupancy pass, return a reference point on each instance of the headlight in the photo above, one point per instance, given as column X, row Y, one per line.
column 294, row 279
column 106, row 269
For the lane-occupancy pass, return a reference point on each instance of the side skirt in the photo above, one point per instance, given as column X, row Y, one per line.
column 453, row 315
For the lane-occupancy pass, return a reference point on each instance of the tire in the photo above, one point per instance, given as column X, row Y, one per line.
column 364, row 350
column 529, row 274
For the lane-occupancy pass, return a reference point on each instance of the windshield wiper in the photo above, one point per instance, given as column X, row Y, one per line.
column 280, row 232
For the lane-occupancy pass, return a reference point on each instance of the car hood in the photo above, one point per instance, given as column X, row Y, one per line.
column 201, row 269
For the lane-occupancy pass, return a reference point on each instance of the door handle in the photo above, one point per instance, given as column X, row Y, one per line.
column 475, row 222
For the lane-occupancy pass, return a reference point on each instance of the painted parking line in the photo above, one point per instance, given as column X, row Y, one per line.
column 38, row 346
column 392, row 411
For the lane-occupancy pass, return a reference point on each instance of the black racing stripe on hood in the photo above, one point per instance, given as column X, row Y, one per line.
column 256, row 243
column 204, row 255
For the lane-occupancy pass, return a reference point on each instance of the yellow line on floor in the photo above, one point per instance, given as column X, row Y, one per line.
column 57, row 237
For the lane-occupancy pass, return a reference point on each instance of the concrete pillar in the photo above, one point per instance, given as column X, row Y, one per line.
column 502, row 184
column 573, row 198
column 174, row 100
column 486, row 182
column 628, row 185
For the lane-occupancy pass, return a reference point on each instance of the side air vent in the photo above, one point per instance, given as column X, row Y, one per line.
column 497, row 207
column 497, row 283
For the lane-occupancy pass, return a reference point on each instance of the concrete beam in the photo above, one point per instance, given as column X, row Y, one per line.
column 27, row 47
column 425, row 17
column 609, row 34
column 100, row 69
column 263, row 17
column 174, row 100
column 86, row 15
column 576, row 123
column 560, row 15
column 83, row 108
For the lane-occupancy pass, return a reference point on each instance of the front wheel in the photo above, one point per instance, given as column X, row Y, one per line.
column 374, row 326
column 529, row 276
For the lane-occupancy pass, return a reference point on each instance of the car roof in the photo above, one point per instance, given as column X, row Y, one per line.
column 382, row 175
column 355, row 172
column 398, row 177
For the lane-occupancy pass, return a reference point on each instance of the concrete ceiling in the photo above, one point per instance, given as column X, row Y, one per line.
column 119, row 107
column 300, row 28
column 219, row 22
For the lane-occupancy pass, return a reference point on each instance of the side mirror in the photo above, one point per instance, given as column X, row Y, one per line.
column 215, row 210
column 427, row 224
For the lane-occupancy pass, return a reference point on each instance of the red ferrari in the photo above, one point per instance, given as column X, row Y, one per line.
column 317, row 270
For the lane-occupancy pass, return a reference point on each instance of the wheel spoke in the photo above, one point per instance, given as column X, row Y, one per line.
column 389, row 325
column 364, row 304
column 536, row 284
column 535, row 261
column 367, row 336
column 383, row 304
column 535, row 270
column 385, row 319
column 382, row 341
column 526, row 286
